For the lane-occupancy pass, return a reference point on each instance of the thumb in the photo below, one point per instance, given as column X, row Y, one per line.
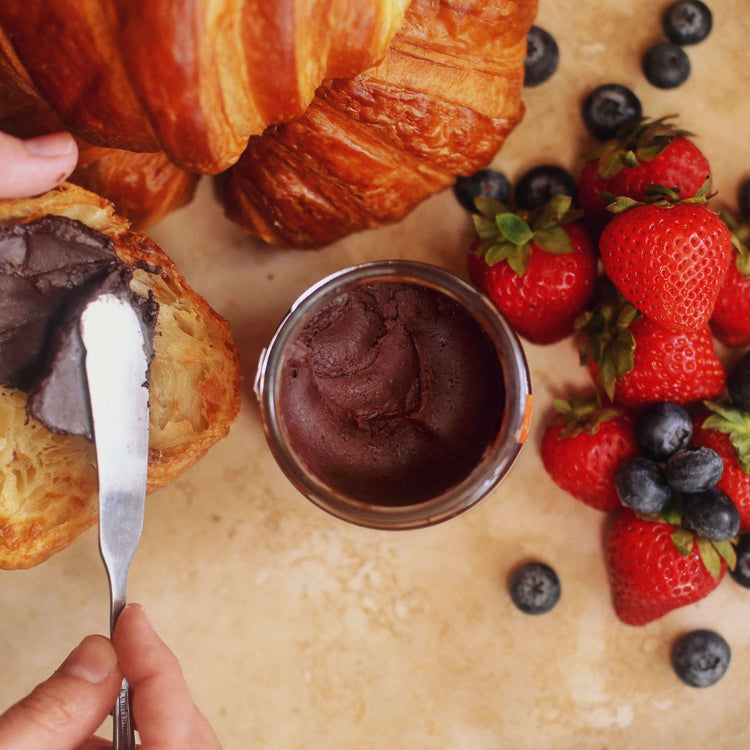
column 69, row 707
column 36, row 165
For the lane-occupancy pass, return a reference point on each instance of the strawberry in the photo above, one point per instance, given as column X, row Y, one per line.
column 643, row 153
column 636, row 361
column 656, row 566
column 669, row 258
column 730, row 320
column 727, row 431
column 582, row 447
column 538, row 267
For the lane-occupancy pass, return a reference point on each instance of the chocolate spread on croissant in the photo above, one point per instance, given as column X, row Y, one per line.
column 392, row 393
column 49, row 269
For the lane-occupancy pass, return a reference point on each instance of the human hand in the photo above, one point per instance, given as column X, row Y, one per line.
column 36, row 165
column 64, row 711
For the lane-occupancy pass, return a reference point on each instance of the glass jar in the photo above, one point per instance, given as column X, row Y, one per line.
column 495, row 460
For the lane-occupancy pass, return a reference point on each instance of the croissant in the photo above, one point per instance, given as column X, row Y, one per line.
column 48, row 484
column 400, row 101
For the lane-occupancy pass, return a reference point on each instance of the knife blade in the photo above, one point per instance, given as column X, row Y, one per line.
column 116, row 364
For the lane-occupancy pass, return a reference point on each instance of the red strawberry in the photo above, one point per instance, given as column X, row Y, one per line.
column 655, row 567
column 540, row 272
column 646, row 153
column 668, row 259
column 727, row 431
column 636, row 361
column 730, row 321
column 583, row 446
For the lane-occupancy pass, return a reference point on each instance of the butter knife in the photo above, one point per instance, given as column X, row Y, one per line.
column 117, row 373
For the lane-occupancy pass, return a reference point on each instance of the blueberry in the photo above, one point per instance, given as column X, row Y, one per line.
column 738, row 383
column 486, row 182
column 662, row 428
column 666, row 65
column 687, row 22
column 701, row 658
column 607, row 108
column 743, row 200
column 694, row 469
column 539, row 184
column 741, row 572
column 641, row 485
column 542, row 56
column 711, row 514
column 535, row 588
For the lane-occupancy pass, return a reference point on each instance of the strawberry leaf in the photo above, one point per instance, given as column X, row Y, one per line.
column 709, row 556
column 683, row 541
column 489, row 207
column 498, row 251
column 735, row 423
column 727, row 552
column 519, row 259
column 514, row 228
column 553, row 240
column 484, row 226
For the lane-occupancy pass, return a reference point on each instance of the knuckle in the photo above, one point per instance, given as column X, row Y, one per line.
column 47, row 710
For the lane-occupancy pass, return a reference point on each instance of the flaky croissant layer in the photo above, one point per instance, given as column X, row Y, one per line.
column 322, row 118
column 48, row 486
column 194, row 78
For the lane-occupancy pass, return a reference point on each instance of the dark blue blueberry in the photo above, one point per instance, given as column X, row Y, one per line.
column 486, row 182
column 542, row 56
column 539, row 184
column 662, row 428
column 743, row 200
column 701, row 658
column 666, row 65
column 741, row 572
column 695, row 468
column 641, row 485
column 687, row 22
column 711, row 514
column 738, row 383
column 607, row 108
column 535, row 588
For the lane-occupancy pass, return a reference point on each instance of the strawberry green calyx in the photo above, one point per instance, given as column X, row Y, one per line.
column 735, row 423
column 507, row 235
column 583, row 413
column 710, row 552
column 608, row 343
column 636, row 142
column 659, row 195
column 740, row 233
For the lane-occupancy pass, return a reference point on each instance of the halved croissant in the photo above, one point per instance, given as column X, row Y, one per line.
column 48, row 481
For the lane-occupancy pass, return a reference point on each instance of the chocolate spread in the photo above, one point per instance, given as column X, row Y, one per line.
column 49, row 269
column 392, row 393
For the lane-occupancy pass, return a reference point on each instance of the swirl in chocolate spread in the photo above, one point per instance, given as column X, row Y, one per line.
column 392, row 393
column 49, row 269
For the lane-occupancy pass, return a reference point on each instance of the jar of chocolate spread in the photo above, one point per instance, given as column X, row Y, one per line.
column 394, row 395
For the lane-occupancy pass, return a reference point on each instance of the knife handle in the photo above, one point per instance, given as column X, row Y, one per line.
column 123, row 732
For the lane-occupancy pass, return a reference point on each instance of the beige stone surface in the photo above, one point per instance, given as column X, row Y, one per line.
column 299, row 632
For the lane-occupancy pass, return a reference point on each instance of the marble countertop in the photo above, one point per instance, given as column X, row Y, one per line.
column 296, row 630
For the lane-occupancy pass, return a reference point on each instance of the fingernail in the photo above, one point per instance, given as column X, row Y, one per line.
column 53, row 145
column 93, row 660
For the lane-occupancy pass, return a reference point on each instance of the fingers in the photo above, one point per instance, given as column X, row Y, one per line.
column 163, row 710
column 69, row 707
column 36, row 165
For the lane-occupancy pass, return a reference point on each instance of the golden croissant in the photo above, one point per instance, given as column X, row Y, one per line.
column 319, row 118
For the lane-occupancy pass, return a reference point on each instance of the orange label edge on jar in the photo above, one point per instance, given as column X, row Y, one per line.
column 526, row 421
